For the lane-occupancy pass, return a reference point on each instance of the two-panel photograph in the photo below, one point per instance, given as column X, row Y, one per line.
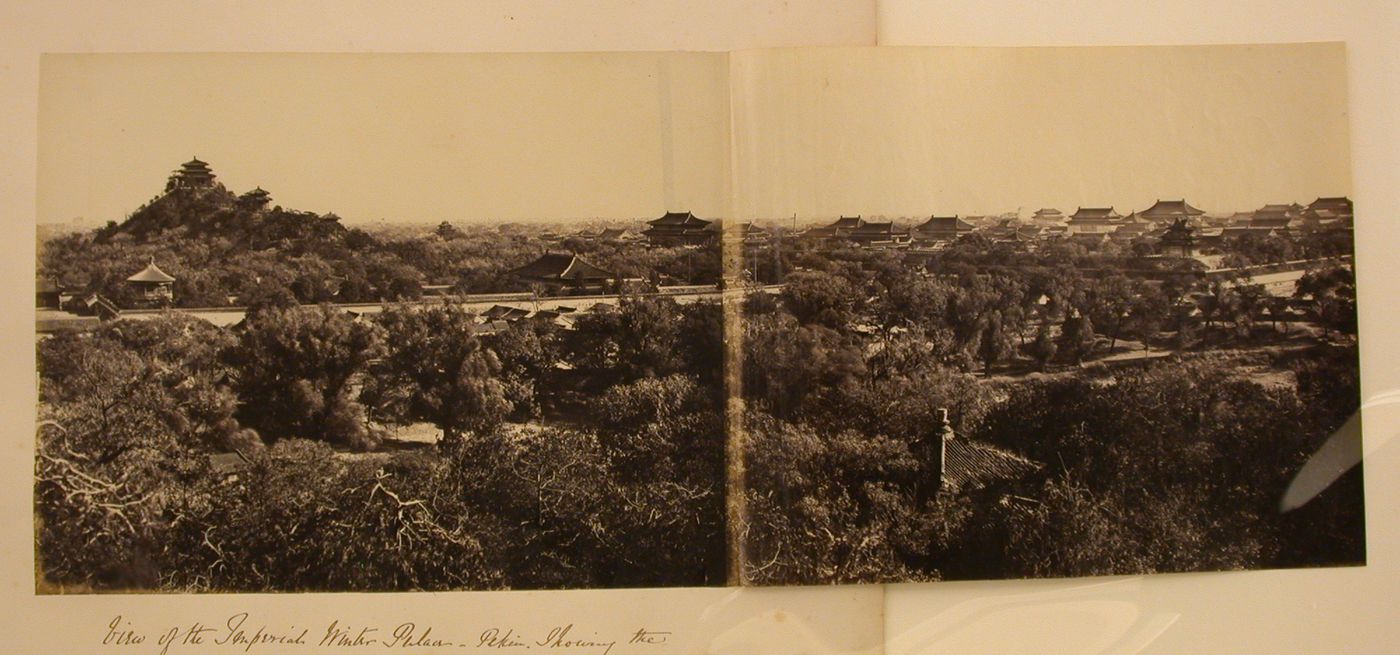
column 321, row 323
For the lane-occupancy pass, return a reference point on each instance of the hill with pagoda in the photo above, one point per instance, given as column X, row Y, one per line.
column 224, row 248
column 195, row 204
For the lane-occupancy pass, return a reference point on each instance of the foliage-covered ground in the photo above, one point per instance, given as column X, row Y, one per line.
column 176, row 455
column 1177, row 461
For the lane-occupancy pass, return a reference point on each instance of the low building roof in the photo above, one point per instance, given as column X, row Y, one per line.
column 504, row 312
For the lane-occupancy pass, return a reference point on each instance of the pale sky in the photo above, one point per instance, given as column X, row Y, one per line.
column 396, row 137
column 918, row 131
column 900, row 132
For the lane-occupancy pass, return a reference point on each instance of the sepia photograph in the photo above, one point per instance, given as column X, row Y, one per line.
column 784, row 317
column 1046, row 312
column 381, row 323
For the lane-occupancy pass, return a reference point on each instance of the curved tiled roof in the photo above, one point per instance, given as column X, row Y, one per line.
column 686, row 219
column 563, row 267
column 1094, row 214
column 151, row 274
column 1171, row 208
column 944, row 223
column 972, row 465
column 848, row 222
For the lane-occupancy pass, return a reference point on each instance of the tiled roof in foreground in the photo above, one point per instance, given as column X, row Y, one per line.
column 972, row 465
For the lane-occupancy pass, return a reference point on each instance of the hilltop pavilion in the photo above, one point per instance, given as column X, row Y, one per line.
column 193, row 174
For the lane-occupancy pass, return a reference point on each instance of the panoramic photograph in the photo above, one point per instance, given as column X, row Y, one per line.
column 791, row 317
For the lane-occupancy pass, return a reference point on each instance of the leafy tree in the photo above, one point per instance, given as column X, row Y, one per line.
column 392, row 279
column 1077, row 337
column 1146, row 314
column 1277, row 309
column 435, row 369
column 328, row 524
column 1109, row 303
column 820, row 298
column 1219, row 302
column 1172, row 467
column 296, row 373
column 528, row 351
column 1249, row 304
column 913, row 301
column 638, row 340
column 1329, row 294
column 786, row 363
column 1044, row 347
column 700, row 342
column 269, row 295
column 824, row 507
column 995, row 344
column 180, row 355
column 119, row 455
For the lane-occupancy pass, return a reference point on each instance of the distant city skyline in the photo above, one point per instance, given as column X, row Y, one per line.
column 895, row 133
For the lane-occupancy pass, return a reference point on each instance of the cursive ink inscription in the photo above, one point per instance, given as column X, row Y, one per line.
column 497, row 638
column 408, row 635
column 559, row 638
column 649, row 637
column 246, row 633
column 239, row 635
column 119, row 633
column 347, row 636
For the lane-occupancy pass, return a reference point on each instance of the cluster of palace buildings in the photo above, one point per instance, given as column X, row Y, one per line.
column 1166, row 225
column 1087, row 225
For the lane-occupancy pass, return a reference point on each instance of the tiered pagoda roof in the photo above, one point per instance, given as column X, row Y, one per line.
column 258, row 197
column 1179, row 234
column 195, row 171
column 679, row 226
